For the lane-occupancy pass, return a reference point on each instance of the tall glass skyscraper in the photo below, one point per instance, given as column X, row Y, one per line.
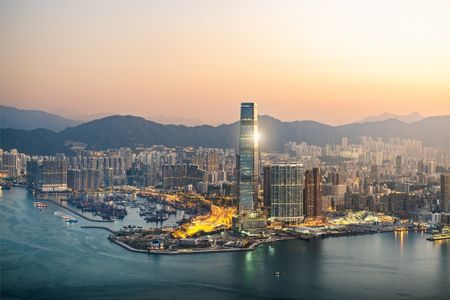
column 248, row 162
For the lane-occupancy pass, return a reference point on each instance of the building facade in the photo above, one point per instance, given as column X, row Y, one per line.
column 445, row 193
column 284, row 192
column 248, row 160
column 313, row 193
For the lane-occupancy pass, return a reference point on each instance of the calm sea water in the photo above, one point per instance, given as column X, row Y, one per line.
column 42, row 257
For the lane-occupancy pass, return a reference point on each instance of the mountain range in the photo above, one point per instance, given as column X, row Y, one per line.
column 11, row 117
column 131, row 131
column 410, row 118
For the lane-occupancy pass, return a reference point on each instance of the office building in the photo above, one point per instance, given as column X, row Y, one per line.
column 248, row 160
column 250, row 218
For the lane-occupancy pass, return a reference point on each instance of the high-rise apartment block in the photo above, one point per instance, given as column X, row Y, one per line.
column 283, row 184
column 445, row 193
column 313, row 193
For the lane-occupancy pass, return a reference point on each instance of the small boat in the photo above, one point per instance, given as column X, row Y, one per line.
column 277, row 274
column 58, row 214
column 6, row 186
column 40, row 204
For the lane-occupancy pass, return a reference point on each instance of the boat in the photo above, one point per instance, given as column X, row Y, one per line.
column 401, row 229
column 6, row 186
column 439, row 236
column 71, row 220
column 40, row 204
column 58, row 214
column 277, row 274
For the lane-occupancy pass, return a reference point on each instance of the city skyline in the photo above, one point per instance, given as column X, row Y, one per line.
column 199, row 149
column 179, row 58
column 162, row 200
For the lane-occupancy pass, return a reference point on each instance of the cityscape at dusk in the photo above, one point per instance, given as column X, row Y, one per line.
column 225, row 150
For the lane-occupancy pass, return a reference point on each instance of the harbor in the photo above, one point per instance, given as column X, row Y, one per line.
column 70, row 252
column 173, row 239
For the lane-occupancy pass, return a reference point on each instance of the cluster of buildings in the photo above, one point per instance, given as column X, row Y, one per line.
column 290, row 194
column 202, row 170
column 400, row 177
column 12, row 163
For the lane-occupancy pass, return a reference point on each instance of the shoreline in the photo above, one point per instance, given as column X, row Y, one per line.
column 176, row 252
column 203, row 250
column 252, row 247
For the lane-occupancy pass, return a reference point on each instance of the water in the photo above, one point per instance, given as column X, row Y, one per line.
column 42, row 257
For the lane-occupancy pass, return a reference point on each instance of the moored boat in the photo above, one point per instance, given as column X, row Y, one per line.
column 439, row 236
column 40, row 204
column 401, row 229
column 71, row 220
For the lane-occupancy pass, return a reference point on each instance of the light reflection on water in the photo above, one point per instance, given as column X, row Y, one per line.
column 401, row 238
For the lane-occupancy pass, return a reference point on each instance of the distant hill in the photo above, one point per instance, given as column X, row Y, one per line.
column 11, row 117
column 162, row 119
column 131, row 131
column 412, row 117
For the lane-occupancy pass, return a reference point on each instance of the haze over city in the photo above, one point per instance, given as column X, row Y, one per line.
column 297, row 59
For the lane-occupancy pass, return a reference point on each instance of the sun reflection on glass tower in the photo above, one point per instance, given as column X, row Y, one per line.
column 248, row 161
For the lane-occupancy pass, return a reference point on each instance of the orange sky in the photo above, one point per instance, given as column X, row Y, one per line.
column 331, row 61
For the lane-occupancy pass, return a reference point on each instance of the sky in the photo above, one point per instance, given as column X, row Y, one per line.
column 330, row 61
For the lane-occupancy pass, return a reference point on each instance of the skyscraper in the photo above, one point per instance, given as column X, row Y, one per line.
column 398, row 165
column 283, row 184
column 445, row 193
column 248, row 160
column 313, row 193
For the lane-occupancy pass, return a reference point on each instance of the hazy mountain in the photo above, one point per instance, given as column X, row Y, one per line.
column 176, row 120
column 162, row 119
column 11, row 117
column 410, row 118
column 80, row 116
column 131, row 131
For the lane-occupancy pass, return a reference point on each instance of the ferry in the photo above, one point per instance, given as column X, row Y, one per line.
column 439, row 236
column 40, row 204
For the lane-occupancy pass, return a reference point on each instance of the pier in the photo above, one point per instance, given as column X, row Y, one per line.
column 99, row 227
